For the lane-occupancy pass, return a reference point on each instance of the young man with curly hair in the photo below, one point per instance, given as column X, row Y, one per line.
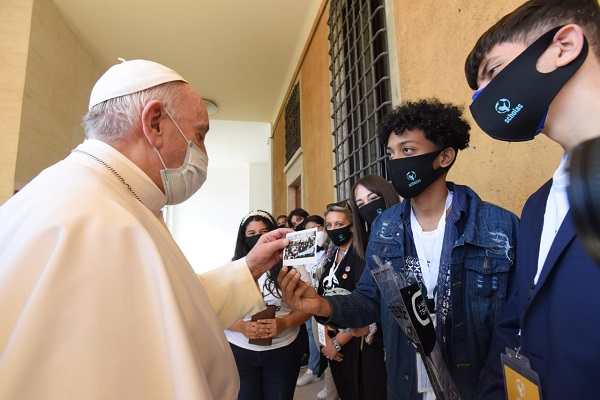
column 460, row 249
column 545, row 57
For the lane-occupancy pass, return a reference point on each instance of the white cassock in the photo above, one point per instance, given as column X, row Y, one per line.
column 97, row 301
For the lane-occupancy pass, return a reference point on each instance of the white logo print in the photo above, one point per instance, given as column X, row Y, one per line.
column 331, row 280
column 520, row 388
column 503, row 106
column 420, row 308
column 412, row 176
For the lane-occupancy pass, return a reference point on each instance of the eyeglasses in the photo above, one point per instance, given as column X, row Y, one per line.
column 340, row 204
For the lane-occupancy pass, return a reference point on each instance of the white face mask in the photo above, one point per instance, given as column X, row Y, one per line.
column 181, row 183
column 321, row 237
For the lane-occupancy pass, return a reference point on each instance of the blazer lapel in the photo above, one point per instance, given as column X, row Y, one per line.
column 564, row 236
column 528, row 250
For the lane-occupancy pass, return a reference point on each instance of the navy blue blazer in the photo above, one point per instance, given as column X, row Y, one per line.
column 558, row 318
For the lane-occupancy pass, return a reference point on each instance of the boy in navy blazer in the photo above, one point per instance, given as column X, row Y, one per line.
column 538, row 71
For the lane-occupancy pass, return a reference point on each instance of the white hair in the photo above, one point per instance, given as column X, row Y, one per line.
column 115, row 118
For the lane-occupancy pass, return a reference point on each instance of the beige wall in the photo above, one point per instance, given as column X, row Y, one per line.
column 315, row 115
column 46, row 74
column 15, row 23
column 60, row 74
column 277, row 165
column 433, row 39
column 45, row 79
column 316, row 122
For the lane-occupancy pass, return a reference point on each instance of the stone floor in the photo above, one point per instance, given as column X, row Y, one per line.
column 308, row 392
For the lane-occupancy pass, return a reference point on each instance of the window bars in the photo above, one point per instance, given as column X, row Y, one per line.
column 361, row 92
column 292, row 124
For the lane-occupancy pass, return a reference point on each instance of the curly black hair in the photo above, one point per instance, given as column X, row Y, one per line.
column 442, row 123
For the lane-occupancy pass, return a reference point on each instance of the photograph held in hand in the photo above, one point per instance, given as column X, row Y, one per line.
column 302, row 248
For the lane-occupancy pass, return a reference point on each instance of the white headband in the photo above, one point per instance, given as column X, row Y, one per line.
column 259, row 213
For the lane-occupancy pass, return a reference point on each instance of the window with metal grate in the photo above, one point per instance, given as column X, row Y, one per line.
column 292, row 124
column 361, row 92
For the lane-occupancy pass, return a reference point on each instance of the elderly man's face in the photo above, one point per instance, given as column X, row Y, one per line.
column 193, row 121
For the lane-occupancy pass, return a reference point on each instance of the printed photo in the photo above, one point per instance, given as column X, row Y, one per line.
column 302, row 248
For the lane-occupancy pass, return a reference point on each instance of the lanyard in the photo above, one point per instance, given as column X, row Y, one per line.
column 430, row 268
column 335, row 265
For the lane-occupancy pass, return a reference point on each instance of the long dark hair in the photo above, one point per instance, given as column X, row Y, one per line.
column 241, row 249
column 360, row 228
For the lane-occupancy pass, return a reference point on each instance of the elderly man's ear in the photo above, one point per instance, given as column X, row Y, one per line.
column 153, row 120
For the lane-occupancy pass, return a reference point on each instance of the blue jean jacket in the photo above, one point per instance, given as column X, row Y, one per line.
column 481, row 270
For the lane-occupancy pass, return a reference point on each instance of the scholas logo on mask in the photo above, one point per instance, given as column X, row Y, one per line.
column 534, row 90
column 412, row 176
column 503, row 107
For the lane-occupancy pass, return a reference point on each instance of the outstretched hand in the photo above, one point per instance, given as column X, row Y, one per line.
column 267, row 252
column 300, row 295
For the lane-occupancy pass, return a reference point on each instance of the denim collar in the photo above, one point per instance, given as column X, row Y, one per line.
column 459, row 204
column 466, row 215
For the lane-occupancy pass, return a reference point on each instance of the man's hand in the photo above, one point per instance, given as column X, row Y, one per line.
column 267, row 252
column 300, row 295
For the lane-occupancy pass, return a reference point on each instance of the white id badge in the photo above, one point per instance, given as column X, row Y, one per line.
column 423, row 383
column 321, row 329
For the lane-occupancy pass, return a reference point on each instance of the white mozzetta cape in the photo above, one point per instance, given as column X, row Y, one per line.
column 97, row 301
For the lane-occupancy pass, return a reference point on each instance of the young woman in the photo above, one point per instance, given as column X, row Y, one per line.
column 340, row 273
column 313, row 373
column 266, row 371
column 295, row 219
column 371, row 195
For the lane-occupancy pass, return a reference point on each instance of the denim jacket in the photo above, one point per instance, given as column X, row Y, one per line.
column 481, row 270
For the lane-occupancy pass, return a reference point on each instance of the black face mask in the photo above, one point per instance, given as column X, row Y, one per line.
column 370, row 211
column 513, row 106
column 281, row 226
column 251, row 241
column 300, row 226
column 412, row 175
column 341, row 236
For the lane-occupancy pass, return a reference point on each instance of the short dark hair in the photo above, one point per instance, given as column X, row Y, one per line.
column 442, row 123
column 383, row 188
column 530, row 21
column 317, row 219
column 299, row 212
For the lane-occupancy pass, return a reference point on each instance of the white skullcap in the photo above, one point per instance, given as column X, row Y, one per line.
column 131, row 77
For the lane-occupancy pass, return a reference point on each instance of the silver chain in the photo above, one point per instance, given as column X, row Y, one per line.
column 111, row 169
